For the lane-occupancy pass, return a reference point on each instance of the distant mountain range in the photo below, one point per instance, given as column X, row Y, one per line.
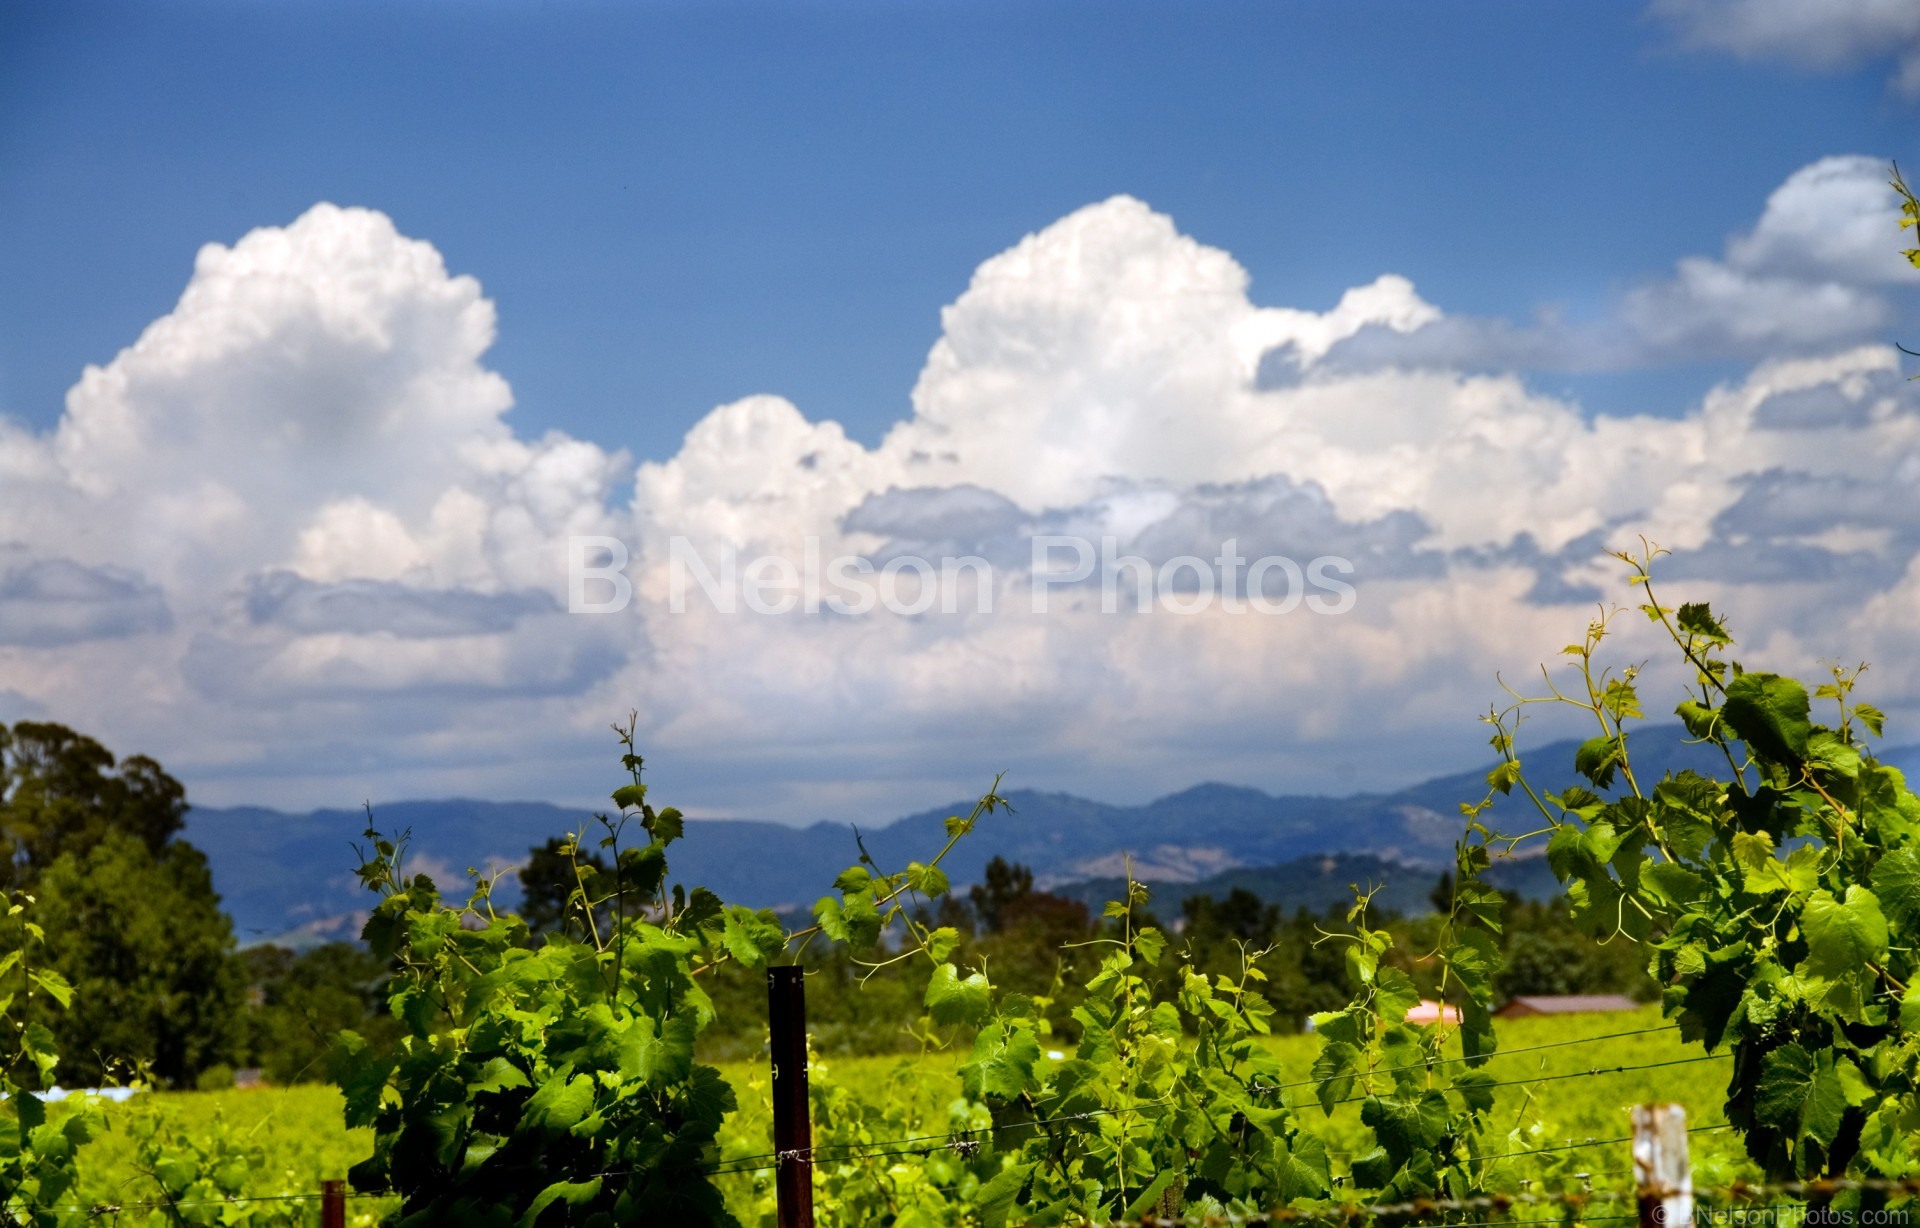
column 289, row 877
column 1324, row 881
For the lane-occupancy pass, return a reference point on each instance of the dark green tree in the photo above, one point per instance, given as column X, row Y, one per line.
column 129, row 910
column 550, row 883
column 60, row 791
column 1544, row 952
column 299, row 1003
column 150, row 957
column 1006, row 883
column 1241, row 916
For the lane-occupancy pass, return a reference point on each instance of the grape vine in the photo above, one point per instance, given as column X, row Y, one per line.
column 1779, row 900
column 37, row 1150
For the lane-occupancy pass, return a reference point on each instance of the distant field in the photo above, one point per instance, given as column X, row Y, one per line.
column 296, row 1132
column 300, row 1131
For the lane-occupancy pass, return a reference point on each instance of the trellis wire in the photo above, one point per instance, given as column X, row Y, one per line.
column 965, row 1142
column 1420, row 1209
column 726, row 1167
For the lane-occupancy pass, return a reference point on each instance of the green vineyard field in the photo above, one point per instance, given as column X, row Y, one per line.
column 1548, row 1102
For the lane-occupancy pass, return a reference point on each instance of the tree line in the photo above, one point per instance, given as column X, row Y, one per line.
column 162, row 988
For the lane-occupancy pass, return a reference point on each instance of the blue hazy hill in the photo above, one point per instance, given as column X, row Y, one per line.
column 291, row 876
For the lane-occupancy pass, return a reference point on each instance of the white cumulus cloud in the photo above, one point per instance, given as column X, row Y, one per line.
column 315, row 406
column 289, row 539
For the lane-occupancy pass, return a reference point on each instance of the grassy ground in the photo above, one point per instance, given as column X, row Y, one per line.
column 299, row 1133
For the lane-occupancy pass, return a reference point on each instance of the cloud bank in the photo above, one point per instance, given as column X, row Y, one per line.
column 1812, row 273
column 289, row 541
column 1815, row 35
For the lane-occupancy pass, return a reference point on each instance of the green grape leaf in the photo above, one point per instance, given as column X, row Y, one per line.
column 560, row 1103
column 1394, row 994
column 1333, row 1073
column 702, row 909
column 1404, row 1126
column 709, row 1097
column 751, row 937
column 32, row 1112
column 667, row 825
column 54, row 985
column 1001, row 1065
column 1603, row 839
column 953, row 1001
column 853, row 921
column 1475, row 1088
column 1017, row 1006
column 927, row 880
column 1302, row 1171
column 572, row 1193
column 1843, row 937
column 1349, row 1025
column 1800, row 1094
column 1687, row 808
column 498, row 1075
column 862, row 920
column 941, row 942
column 1480, row 902
column 1896, row 881
column 995, row 1200
column 1674, row 884
column 1770, row 714
column 1373, row 1170
column 1888, row 809
column 1598, row 759
column 657, row 1054
column 1825, row 750
column 1697, row 717
column 362, row 1077
column 1761, row 872
column 1696, row 619
column 1888, row 1136
column 642, row 870
column 1472, row 958
column 1477, row 1041
column 1144, row 1204
column 1567, row 852
column 1705, row 1004
column 1620, row 700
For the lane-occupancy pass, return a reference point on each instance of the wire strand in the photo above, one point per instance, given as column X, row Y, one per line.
column 1590, row 1072
column 814, row 1151
column 1492, row 1057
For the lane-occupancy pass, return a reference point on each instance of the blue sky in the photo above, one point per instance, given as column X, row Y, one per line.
column 677, row 205
column 1586, row 212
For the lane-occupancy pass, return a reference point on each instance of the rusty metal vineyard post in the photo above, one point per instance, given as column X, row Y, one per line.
column 333, row 1204
column 792, row 1125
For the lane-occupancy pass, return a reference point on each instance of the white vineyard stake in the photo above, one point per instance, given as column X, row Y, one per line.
column 1662, row 1170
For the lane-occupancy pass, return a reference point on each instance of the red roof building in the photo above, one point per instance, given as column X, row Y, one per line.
column 1429, row 1011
